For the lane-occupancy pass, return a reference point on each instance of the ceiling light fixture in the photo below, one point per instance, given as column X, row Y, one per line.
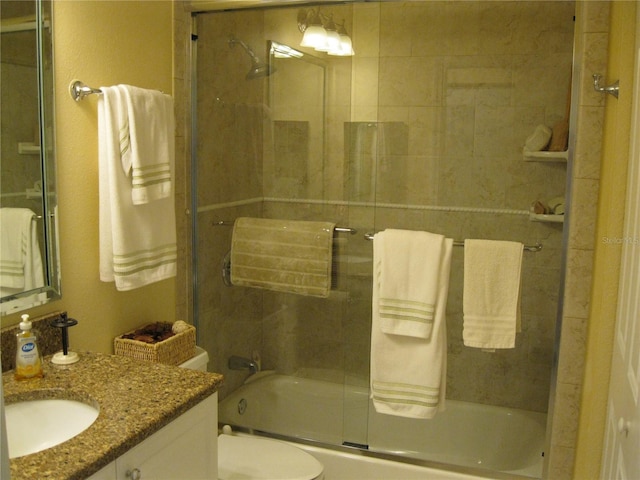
column 322, row 34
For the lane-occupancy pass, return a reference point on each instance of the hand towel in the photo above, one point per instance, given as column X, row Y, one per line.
column 137, row 242
column 409, row 281
column 21, row 267
column 408, row 374
column 491, row 297
column 147, row 143
column 20, row 258
column 282, row 255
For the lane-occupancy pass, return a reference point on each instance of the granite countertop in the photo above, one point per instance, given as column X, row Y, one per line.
column 135, row 398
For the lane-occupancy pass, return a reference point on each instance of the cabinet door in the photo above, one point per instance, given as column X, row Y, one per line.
column 186, row 448
column 106, row 473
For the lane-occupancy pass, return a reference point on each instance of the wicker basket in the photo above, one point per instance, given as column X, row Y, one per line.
column 172, row 351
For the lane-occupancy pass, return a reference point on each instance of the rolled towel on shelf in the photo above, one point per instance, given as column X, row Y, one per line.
column 539, row 139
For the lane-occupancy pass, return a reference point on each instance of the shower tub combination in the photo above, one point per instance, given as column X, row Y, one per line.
column 466, row 441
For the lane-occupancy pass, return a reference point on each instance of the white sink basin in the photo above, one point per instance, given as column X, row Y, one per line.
column 35, row 425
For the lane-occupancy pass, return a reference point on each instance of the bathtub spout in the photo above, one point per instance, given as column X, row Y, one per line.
column 242, row 363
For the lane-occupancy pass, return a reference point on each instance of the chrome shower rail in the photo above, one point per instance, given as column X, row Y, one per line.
column 458, row 243
column 79, row 90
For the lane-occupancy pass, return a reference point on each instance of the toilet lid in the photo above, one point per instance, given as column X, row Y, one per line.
column 259, row 458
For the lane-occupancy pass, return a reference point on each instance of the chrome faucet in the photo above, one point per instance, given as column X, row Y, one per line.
column 242, row 363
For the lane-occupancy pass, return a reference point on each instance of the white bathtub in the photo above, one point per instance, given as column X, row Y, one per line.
column 466, row 434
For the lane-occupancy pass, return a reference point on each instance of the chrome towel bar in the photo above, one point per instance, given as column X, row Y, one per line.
column 226, row 223
column 79, row 90
column 458, row 243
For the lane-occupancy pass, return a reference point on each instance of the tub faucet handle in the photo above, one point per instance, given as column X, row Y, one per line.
column 242, row 363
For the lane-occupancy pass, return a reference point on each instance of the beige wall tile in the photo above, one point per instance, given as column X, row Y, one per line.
column 582, row 223
column 577, row 296
column 589, row 142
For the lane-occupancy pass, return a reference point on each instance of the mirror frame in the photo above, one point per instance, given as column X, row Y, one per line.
column 46, row 110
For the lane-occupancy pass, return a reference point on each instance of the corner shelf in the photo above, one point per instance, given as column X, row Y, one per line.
column 535, row 217
column 545, row 156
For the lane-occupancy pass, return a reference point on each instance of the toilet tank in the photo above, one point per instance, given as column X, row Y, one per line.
column 198, row 362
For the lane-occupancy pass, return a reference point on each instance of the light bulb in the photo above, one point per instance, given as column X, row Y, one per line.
column 314, row 36
column 345, row 48
column 332, row 43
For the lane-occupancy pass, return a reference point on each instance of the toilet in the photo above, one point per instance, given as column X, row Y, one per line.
column 252, row 458
column 197, row 362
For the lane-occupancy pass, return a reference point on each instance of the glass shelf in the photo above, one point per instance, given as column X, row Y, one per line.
column 545, row 156
column 534, row 217
column 28, row 148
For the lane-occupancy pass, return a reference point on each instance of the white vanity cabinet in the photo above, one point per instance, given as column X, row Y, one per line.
column 185, row 448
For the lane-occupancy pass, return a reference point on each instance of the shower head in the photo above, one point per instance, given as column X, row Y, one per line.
column 258, row 68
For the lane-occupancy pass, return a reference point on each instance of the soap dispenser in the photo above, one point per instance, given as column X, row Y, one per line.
column 28, row 359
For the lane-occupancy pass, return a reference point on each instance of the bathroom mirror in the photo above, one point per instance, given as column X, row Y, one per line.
column 29, row 266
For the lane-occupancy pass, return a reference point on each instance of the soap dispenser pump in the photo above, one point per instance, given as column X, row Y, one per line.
column 28, row 359
column 65, row 357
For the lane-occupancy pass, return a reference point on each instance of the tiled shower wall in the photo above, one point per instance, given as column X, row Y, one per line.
column 237, row 334
column 451, row 108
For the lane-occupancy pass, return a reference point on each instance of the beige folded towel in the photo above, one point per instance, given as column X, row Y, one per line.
column 282, row 255
column 409, row 276
column 491, row 299
column 147, row 143
column 408, row 373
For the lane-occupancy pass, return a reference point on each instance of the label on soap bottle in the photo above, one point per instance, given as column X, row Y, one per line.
column 28, row 363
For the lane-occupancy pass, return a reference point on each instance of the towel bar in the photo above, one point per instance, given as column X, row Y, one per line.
column 227, row 223
column 79, row 90
column 458, row 243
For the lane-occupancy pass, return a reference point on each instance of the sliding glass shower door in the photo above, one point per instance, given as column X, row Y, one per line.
column 421, row 129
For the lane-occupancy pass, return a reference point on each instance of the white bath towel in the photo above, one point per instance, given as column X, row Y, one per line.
column 491, row 298
column 147, row 143
column 409, row 277
column 408, row 374
column 137, row 242
column 21, row 268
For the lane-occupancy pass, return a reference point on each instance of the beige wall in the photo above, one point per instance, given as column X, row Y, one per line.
column 615, row 154
column 87, row 48
column 101, row 43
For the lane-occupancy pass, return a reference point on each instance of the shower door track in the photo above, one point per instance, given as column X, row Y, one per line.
column 364, row 451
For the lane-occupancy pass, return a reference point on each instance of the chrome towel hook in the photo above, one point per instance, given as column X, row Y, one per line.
column 611, row 89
